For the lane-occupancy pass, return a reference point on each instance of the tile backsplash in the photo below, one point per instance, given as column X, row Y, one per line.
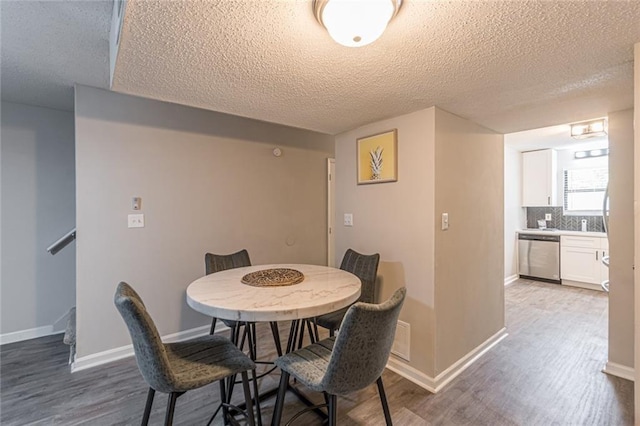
column 558, row 220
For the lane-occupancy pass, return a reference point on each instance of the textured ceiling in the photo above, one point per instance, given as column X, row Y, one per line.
column 508, row 65
column 47, row 46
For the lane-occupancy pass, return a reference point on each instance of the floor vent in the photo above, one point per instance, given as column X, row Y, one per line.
column 401, row 346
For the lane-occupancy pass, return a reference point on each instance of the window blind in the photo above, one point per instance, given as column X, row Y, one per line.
column 584, row 189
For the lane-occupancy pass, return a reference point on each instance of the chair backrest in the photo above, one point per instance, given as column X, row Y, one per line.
column 364, row 267
column 362, row 348
column 150, row 352
column 222, row 262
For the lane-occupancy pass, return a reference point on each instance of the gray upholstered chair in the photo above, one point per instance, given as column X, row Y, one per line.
column 222, row 262
column 347, row 363
column 176, row 368
column 364, row 267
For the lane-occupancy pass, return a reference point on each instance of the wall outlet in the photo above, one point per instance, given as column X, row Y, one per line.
column 135, row 221
column 547, row 216
column 348, row 219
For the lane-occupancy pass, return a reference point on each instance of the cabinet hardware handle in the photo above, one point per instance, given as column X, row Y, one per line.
column 548, row 201
column 596, row 255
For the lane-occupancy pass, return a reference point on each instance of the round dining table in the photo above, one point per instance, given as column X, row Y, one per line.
column 322, row 290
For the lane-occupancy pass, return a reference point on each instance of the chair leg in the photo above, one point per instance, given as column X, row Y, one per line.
column 256, row 395
column 232, row 383
column 213, row 325
column 276, row 337
column 383, row 400
column 147, row 407
column 223, row 400
column 171, row 406
column 247, row 399
column 326, row 399
column 315, row 331
column 333, row 410
column 282, row 389
column 332, row 332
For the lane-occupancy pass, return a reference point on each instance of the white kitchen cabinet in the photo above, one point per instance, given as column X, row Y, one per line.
column 604, row 251
column 539, row 178
column 581, row 261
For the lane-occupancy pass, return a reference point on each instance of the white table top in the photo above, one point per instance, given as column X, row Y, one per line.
column 223, row 295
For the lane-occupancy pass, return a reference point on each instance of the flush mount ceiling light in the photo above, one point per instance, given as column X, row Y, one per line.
column 589, row 129
column 355, row 23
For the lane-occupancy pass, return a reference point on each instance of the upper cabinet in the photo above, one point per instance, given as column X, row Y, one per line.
column 539, row 181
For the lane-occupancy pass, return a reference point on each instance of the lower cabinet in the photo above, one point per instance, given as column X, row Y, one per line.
column 581, row 261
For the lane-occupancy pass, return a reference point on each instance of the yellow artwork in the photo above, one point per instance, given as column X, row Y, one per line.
column 378, row 158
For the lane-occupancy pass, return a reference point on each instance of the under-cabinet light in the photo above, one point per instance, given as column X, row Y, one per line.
column 591, row 154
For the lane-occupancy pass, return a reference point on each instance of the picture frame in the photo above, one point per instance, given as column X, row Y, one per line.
column 377, row 158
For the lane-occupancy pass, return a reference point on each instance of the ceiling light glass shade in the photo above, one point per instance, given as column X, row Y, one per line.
column 589, row 129
column 355, row 23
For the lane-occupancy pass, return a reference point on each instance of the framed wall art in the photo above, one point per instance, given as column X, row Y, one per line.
column 377, row 157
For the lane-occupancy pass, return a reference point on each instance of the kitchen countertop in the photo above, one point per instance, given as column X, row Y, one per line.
column 562, row 232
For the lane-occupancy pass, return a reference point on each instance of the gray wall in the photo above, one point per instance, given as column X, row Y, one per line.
column 454, row 278
column 209, row 183
column 396, row 220
column 636, row 221
column 469, row 256
column 621, row 252
column 38, row 207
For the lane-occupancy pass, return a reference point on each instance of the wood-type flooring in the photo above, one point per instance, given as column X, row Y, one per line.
column 546, row 372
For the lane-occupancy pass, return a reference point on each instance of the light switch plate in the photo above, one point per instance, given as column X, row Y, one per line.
column 547, row 216
column 445, row 221
column 348, row 219
column 135, row 220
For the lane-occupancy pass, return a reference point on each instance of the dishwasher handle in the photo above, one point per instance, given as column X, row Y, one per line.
column 537, row 237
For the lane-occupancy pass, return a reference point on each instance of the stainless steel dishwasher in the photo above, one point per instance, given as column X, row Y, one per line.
column 539, row 257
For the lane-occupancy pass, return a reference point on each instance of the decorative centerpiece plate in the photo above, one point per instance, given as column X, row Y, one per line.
column 273, row 277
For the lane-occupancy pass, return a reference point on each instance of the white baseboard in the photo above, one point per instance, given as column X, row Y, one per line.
column 435, row 384
column 408, row 372
column 509, row 280
column 94, row 360
column 619, row 370
column 60, row 325
column 32, row 333
column 588, row 286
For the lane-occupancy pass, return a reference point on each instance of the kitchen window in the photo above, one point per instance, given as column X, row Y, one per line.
column 584, row 190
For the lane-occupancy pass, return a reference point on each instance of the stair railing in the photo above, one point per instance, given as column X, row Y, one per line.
column 62, row 242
